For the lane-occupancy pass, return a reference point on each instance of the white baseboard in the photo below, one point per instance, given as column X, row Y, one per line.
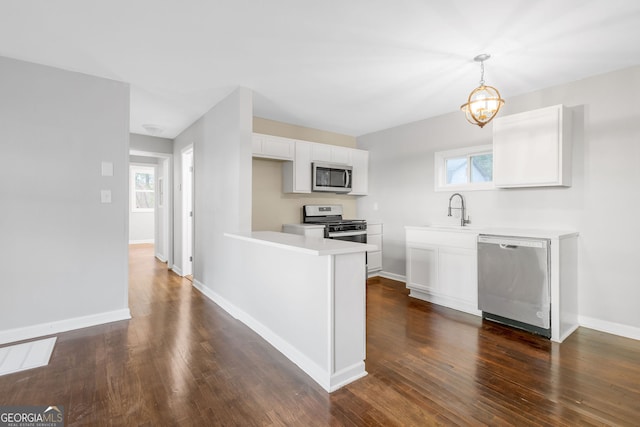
column 445, row 301
column 566, row 334
column 137, row 242
column 610, row 327
column 161, row 258
column 346, row 376
column 373, row 273
column 43, row 329
column 177, row 270
column 323, row 378
column 219, row 300
column 392, row 276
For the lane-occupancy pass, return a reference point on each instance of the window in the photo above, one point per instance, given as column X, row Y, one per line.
column 464, row 169
column 142, row 188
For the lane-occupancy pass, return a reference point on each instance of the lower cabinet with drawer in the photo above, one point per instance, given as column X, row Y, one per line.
column 374, row 237
column 442, row 267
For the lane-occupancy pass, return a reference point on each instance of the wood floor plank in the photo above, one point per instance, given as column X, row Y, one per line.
column 181, row 360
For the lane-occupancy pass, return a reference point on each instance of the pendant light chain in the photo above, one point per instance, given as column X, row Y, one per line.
column 482, row 73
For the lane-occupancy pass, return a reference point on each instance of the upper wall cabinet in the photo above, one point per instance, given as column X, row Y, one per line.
column 296, row 175
column 533, row 149
column 320, row 152
column 296, row 172
column 360, row 163
column 330, row 153
column 272, row 147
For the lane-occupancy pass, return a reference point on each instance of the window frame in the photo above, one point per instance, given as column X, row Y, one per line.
column 144, row 168
column 440, row 168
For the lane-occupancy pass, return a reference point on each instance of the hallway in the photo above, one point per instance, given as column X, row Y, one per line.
column 181, row 360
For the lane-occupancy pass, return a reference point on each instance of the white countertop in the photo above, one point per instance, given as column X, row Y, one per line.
column 499, row 231
column 295, row 242
column 309, row 226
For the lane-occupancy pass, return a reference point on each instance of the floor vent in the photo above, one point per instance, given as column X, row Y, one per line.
column 20, row 357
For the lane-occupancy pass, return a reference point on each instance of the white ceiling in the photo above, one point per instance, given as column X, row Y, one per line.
column 347, row 66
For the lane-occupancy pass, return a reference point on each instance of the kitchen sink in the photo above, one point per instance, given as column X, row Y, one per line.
column 451, row 227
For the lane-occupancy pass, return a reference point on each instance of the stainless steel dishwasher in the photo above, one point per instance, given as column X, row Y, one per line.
column 513, row 282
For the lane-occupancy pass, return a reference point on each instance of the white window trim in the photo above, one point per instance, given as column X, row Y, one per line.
column 440, row 169
column 133, row 168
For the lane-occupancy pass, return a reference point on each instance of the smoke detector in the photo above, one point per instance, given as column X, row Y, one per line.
column 152, row 129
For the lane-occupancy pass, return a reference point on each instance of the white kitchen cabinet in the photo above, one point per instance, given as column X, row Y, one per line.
column 442, row 268
column 374, row 237
column 457, row 274
column 533, row 148
column 421, row 268
column 341, row 155
column 296, row 175
column 320, row 152
column 360, row 164
column 330, row 153
column 272, row 147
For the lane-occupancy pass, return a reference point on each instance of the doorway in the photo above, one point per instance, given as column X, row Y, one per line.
column 162, row 212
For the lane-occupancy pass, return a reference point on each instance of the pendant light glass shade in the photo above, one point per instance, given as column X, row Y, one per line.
column 483, row 105
column 484, row 102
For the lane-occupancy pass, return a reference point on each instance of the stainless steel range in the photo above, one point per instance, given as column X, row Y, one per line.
column 353, row 230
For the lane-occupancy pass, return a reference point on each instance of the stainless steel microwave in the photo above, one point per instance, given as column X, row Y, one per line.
column 331, row 177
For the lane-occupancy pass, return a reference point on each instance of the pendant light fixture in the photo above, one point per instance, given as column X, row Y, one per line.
column 484, row 102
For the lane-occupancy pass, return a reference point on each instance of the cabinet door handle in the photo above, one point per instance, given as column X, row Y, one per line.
column 503, row 246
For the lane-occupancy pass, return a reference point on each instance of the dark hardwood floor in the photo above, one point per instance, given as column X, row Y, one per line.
column 182, row 360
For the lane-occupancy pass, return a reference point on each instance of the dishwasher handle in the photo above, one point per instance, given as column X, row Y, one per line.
column 513, row 242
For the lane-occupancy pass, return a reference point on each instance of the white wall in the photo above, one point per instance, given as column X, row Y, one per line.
column 141, row 227
column 144, row 160
column 151, row 144
column 222, row 181
column 63, row 253
column 602, row 204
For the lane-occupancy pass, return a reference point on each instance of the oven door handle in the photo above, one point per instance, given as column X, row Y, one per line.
column 346, row 233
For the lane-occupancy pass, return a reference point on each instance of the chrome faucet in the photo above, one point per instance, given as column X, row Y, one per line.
column 462, row 210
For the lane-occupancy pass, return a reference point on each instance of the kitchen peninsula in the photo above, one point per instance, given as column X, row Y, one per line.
column 305, row 296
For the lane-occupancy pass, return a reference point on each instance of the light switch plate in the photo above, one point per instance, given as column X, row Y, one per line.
column 107, row 169
column 105, row 196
